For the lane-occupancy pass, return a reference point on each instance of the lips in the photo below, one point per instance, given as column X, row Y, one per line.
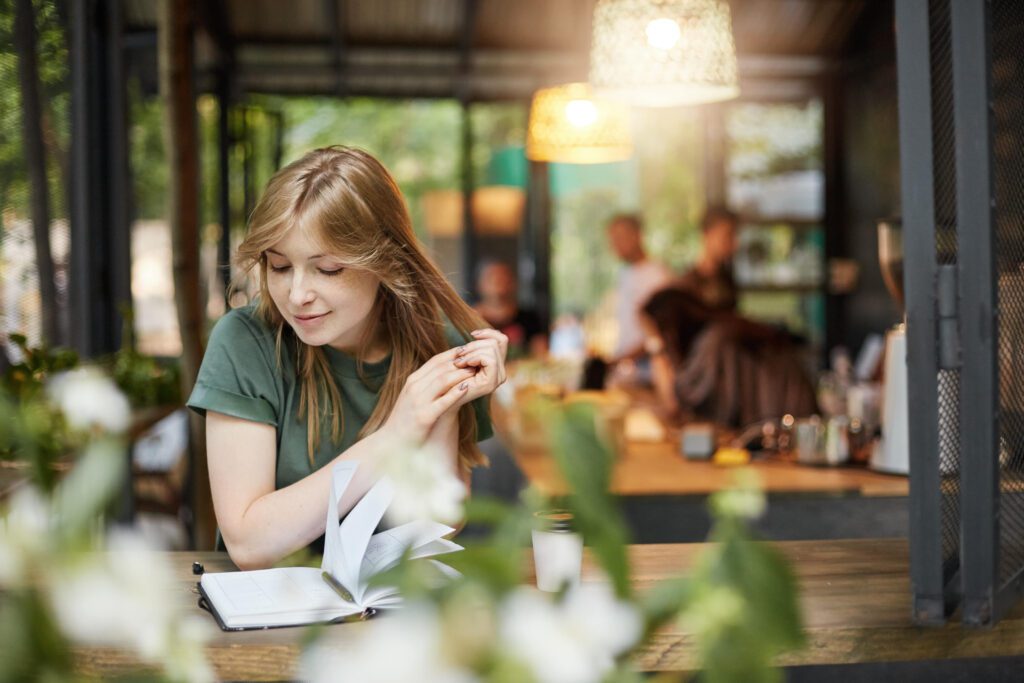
column 309, row 318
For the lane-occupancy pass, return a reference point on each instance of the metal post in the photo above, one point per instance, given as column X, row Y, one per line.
column 100, row 247
column 537, row 252
column 920, row 274
column 224, row 143
column 979, row 407
column 469, row 250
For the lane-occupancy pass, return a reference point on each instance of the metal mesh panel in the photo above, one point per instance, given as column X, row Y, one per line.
column 1007, row 73
column 944, row 161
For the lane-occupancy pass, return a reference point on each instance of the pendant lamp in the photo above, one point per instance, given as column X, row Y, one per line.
column 568, row 124
column 663, row 53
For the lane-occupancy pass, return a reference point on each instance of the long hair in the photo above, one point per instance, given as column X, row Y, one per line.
column 353, row 208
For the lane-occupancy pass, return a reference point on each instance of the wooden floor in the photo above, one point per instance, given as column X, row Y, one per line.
column 854, row 594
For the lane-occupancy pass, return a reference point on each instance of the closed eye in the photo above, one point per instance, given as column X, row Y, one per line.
column 331, row 272
column 278, row 269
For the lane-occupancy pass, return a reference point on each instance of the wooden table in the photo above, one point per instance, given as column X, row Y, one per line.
column 658, row 469
column 648, row 468
column 854, row 594
column 663, row 495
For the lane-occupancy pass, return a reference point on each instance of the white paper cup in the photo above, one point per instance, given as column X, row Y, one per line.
column 557, row 551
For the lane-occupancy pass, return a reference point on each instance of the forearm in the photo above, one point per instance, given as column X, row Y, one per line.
column 445, row 437
column 286, row 520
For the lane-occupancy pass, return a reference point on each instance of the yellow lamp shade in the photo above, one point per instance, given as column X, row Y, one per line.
column 497, row 210
column 568, row 124
column 662, row 53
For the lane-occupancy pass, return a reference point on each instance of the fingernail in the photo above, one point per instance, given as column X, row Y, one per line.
column 476, row 332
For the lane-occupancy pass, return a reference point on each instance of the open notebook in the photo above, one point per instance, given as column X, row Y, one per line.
column 353, row 554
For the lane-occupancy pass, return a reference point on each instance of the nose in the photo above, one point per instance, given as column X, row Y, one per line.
column 300, row 293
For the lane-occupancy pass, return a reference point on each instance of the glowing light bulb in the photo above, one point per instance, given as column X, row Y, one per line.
column 581, row 113
column 663, row 34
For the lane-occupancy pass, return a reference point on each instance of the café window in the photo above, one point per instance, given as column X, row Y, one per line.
column 774, row 180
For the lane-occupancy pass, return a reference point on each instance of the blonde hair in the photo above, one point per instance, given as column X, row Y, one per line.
column 353, row 208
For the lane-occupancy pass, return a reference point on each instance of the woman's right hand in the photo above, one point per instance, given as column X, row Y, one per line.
column 428, row 393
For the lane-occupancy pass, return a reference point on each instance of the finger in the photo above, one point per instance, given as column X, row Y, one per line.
column 476, row 345
column 497, row 336
column 444, row 379
column 433, row 363
column 451, row 397
column 490, row 371
column 478, row 358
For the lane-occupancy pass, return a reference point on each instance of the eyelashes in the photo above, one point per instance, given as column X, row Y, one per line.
column 328, row 273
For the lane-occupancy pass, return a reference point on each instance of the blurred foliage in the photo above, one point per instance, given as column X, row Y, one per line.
column 55, row 95
column 147, row 381
column 738, row 600
column 774, row 139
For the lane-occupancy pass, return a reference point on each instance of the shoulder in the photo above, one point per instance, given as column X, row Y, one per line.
column 241, row 325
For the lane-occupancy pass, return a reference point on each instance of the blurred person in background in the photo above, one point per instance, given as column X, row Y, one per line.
column 499, row 305
column 711, row 279
column 638, row 279
column 718, row 366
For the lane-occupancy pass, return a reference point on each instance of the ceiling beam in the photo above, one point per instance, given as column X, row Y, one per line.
column 334, row 12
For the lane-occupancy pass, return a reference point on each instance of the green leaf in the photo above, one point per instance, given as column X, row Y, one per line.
column 90, row 486
column 586, row 459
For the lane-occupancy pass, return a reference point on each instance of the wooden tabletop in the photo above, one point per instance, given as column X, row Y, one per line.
column 854, row 594
column 657, row 469
column 646, row 468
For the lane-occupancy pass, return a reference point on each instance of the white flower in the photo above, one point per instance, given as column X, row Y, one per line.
column 402, row 647
column 125, row 598
column 745, row 499
column 572, row 642
column 425, row 485
column 88, row 399
column 24, row 532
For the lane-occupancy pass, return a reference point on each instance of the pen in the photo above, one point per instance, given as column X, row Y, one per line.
column 338, row 588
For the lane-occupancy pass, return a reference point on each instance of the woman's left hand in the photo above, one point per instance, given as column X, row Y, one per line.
column 486, row 354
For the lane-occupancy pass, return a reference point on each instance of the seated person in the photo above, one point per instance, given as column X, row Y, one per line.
column 721, row 367
column 499, row 306
column 355, row 341
column 710, row 279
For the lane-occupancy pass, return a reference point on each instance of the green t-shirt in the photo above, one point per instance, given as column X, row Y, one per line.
column 241, row 376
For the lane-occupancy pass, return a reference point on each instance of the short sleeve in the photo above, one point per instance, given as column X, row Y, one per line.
column 482, row 410
column 238, row 375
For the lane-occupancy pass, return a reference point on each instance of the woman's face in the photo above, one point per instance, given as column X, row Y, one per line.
column 320, row 297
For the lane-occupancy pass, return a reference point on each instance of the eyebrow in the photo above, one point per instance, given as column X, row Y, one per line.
column 311, row 258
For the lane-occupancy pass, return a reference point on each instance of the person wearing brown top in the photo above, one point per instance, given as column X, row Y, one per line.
column 718, row 366
column 710, row 279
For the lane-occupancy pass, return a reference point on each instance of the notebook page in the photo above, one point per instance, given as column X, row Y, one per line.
column 341, row 476
column 270, row 597
column 353, row 536
column 385, row 548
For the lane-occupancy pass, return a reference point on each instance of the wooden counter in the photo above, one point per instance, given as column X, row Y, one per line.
column 657, row 469
column 854, row 594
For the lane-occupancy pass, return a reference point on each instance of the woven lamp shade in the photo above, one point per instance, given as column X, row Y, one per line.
column 567, row 124
column 663, row 53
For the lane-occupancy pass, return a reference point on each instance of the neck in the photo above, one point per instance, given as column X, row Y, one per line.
column 374, row 352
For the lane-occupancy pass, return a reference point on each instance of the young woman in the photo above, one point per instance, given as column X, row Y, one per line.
column 355, row 340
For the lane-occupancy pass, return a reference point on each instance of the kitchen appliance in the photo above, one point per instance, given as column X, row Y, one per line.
column 892, row 451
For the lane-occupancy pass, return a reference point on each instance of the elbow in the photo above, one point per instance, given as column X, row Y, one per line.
column 247, row 556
